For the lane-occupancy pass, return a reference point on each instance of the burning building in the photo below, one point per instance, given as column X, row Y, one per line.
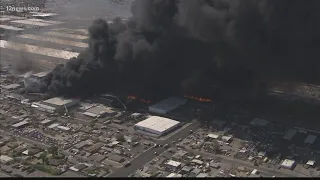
column 166, row 42
column 165, row 106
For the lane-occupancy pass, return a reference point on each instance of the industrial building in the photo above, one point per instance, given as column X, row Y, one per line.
column 167, row 105
column 259, row 122
column 39, row 75
column 11, row 87
column 43, row 107
column 59, row 103
column 214, row 136
column 78, row 167
column 99, row 112
column 85, row 106
column 20, row 124
column 227, row 139
column 290, row 134
column 202, row 175
column 174, row 175
column 157, row 125
column 288, row 164
column 311, row 163
column 173, row 165
column 63, row 128
column 6, row 159
column 53, row 125
column 46, row 121
column 310, row 139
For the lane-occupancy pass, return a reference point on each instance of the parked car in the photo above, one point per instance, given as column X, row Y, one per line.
column 127, row 164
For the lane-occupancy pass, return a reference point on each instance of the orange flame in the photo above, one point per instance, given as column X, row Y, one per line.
column 145, row 101
column 141, row 100
column 198, row 98
column 132, row 97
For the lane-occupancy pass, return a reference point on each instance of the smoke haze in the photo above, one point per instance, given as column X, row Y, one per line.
column 167, row 45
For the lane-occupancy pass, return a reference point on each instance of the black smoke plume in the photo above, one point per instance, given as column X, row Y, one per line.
column 169, row 44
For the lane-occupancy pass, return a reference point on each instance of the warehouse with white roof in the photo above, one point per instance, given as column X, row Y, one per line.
column 59, row 104
column 157, row 125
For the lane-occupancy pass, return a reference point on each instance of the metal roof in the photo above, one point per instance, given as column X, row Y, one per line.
column 157, row 123
column 173, row 163
column 167, row 104
column 310, row 139
column 22, row 123
column 58, row 101
column 290, row 134
column 40, row 74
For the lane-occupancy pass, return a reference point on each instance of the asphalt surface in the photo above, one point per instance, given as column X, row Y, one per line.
column 147, row 156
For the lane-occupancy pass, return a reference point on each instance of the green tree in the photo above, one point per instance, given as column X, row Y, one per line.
column 54, row 150
column 44, row 158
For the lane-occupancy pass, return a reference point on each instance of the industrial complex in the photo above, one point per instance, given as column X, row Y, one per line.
column 47, row 133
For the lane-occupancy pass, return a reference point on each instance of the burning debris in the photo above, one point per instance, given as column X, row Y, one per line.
column 201, row 99
column 167, row 40
column 140, row 100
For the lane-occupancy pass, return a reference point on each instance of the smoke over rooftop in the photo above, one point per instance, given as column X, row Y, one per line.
column 168, row 44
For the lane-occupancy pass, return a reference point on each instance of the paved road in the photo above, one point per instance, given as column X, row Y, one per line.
column 147, row 156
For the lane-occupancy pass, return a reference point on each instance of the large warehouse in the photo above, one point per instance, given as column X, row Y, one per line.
column 157, row 125
column 167, row 105
column 59, row 103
